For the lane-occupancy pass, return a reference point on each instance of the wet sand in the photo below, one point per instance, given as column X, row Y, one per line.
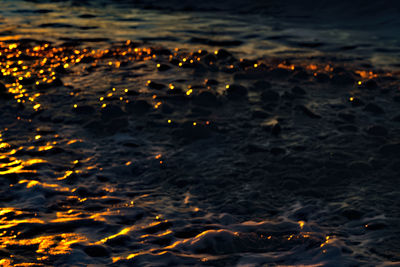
column 130, row 153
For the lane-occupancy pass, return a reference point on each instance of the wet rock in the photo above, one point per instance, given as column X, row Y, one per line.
column 139, row 107
column 207, row 99
column 306, row 111
column 96, row 251
column 377, row 130
column 236, row 92
column 373, row 108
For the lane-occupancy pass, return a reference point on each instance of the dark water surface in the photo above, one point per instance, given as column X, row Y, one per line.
column 140, row 133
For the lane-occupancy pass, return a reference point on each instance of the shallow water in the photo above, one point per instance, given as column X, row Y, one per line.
column 124, row 142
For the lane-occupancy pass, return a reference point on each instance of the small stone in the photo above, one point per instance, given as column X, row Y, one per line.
column 373, row 108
